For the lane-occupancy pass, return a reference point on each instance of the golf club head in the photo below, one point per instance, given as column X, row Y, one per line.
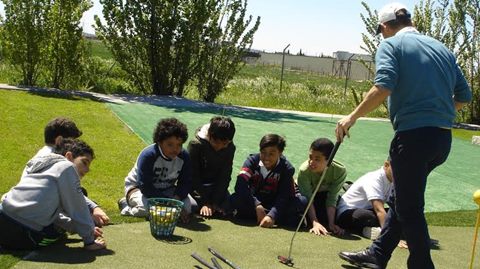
column 285, row 260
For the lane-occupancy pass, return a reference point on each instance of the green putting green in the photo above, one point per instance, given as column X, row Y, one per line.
column 132, row 246
column 449, row 188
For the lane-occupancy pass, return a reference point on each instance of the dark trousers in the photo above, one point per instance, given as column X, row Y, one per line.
column 321, row 207
column 15, row 236
column 288, row 217
column 356, row 219
column 414, row 154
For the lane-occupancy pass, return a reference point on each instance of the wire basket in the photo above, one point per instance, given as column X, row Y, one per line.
column 164, row 214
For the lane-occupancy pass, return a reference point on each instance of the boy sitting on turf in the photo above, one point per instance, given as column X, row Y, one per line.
column 162, row 170
column 265, row 188
column 322, row 211
column 361, row 208
column 56, row 130
column 211, row 152
column 48, row 199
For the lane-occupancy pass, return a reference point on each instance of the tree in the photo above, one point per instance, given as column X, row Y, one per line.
column 162, row 45
column 65, row 48
column 222, row 46
column 455, row 23
column 153, row 40
column 24, row 36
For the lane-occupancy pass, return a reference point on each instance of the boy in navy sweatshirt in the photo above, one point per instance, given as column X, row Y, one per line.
column 162, row 170
column 265, row 188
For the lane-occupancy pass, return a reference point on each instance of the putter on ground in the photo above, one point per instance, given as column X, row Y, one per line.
column 222, row 258
column 202, row 261
column 289, row 260
column 215, row 263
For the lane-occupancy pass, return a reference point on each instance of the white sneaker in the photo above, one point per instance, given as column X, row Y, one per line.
column 371, row 232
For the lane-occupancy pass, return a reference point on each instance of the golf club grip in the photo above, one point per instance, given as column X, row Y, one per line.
column 216, row 264
column 202, row 261
column 332, row 154
column 223, row 259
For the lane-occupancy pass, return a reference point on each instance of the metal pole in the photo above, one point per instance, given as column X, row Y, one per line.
column 283, row 65
column 347, row 74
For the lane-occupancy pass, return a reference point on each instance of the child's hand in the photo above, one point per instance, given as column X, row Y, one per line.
column 97, row 232
column 206, row 211
column 260, row 213
column 100, row 217
column 336, row 229
column 267, row 222
column 318, row 229
column 99, row 243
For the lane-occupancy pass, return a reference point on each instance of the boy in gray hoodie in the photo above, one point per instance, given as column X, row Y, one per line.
column 32, row 214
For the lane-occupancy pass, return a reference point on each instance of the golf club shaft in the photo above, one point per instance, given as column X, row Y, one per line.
column 216, row 264
column 222, row 258
column 202, row 261
column 475, row 239
column 329, row 162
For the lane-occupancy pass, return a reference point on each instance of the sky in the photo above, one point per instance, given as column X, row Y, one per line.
column 315, row 26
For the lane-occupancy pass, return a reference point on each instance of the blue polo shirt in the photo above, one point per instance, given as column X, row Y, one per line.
column 424, row 79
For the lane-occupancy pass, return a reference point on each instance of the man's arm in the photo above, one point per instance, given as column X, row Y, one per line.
column 378, row 207
column 374, row 98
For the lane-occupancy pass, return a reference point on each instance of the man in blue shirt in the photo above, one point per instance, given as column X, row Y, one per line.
column 424, row 86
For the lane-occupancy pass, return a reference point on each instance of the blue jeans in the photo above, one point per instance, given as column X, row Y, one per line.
column 414, row 154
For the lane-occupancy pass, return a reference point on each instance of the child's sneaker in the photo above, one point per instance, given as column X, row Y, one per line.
column 122, row 203
column 371, row 232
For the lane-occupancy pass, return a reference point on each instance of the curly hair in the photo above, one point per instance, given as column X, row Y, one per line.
column 60, row 127
column 76, row 146
column 170, row 127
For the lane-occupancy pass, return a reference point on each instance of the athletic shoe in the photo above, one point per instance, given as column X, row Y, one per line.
column 122, row 203
column 371, row 232
column 362, row 259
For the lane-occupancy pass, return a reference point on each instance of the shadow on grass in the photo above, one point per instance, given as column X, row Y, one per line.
column 61, row 94
column 64, row 254
column 196, row 224
column 175, row 240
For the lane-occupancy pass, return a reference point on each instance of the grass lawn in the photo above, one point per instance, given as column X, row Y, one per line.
column 23, row 116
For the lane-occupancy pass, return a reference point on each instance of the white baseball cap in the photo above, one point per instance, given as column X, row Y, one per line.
column 389, row 13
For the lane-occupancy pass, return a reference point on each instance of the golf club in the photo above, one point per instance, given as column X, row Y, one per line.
column 222, row 258
column 202, row 261
column 476, row 199
column 216, row 263
column 289, row 260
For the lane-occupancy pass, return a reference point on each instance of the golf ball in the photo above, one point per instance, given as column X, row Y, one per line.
column 476, row 197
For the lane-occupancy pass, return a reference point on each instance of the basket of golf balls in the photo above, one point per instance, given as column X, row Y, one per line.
column 164, row 214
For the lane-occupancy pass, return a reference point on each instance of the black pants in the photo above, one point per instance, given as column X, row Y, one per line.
column 414, row 154
column 290, row 216
column 356, row 219
column 15, row 236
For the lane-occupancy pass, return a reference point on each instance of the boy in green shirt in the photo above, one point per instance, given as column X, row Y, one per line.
column 322, row 211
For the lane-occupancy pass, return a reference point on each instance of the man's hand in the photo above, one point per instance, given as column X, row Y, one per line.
column 343, row 126
column 267, row 222
column 318, row 229
column 100, row 217
column 206, row 211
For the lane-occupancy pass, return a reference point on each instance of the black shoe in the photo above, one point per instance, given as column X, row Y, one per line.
column 363, row 259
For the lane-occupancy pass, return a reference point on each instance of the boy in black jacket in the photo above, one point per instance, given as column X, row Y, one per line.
column 211, row 153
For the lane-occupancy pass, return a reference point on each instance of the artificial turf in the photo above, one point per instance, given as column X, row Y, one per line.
column 248, row 246
column 450, row 186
